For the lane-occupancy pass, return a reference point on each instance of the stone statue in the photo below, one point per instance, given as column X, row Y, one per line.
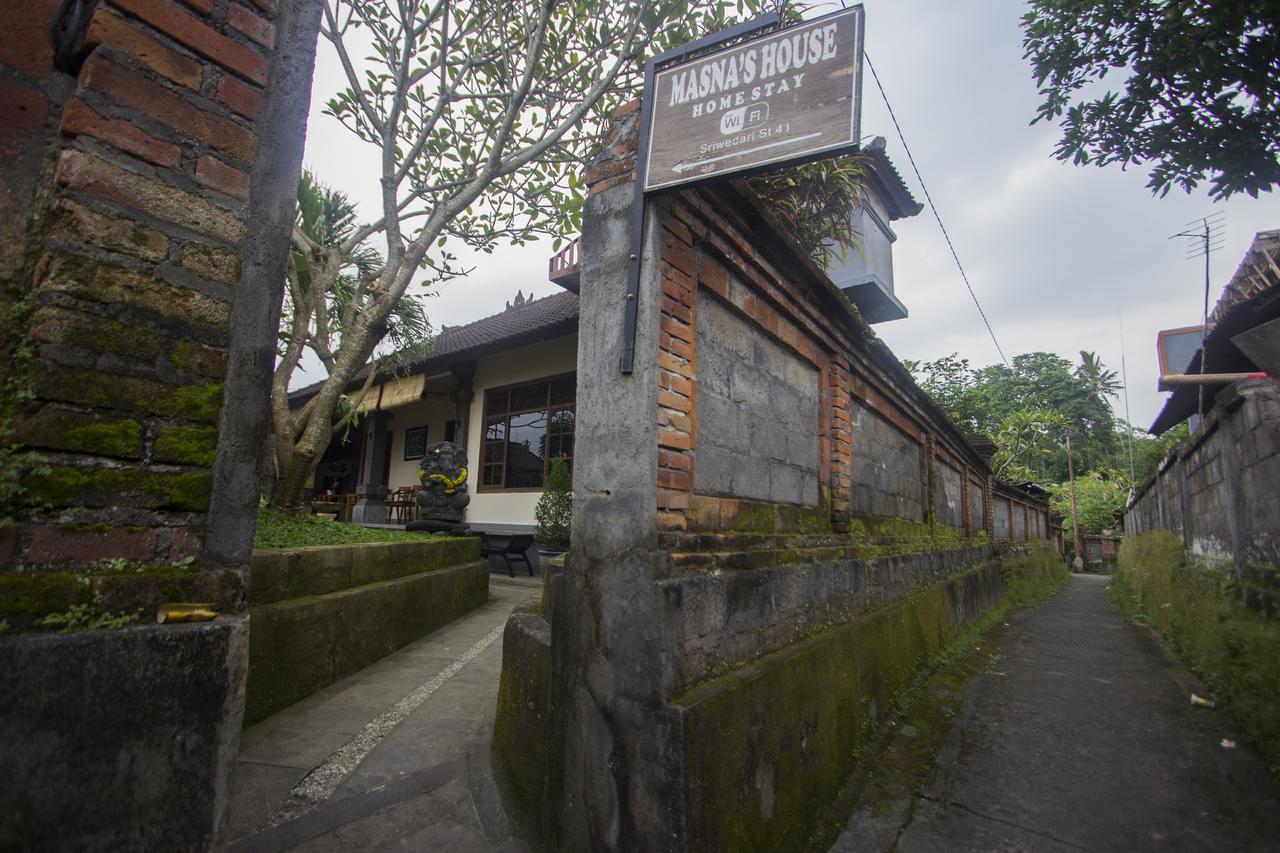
column 444, row 497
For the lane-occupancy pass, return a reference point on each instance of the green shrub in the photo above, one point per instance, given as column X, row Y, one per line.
column 1235, row 650
column 1032, row 577
column 554, row 511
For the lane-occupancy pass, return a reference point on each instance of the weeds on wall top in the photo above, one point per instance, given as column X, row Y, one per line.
column 815, row 203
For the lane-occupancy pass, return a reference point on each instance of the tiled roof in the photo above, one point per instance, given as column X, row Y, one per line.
column 895, row 192
column 552, row 315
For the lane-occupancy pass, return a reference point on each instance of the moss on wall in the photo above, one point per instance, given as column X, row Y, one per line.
column 283, row 573
column 1201, row 613
column 186, row 445
column 338, row 609
column 521, row 749
column 768, row 745
column 63, row 486
column 26, row 597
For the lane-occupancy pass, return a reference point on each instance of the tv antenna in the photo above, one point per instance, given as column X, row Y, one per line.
column 1128, row 431
column 1208, row 235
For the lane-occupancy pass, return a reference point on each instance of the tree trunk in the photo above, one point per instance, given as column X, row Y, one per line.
column 295, row 471
column 296, row 461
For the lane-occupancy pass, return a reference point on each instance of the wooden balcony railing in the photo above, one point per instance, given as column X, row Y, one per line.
column 566, row 266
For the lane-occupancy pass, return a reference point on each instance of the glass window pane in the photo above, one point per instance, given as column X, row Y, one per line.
column 563, row 390
column 560, row 445
column 496, row 431
column 526, row 450
column 526, row 397
column 562, row 421
column 495, row 402
column 491, row 476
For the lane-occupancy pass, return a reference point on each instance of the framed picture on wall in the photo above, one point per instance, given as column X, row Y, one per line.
column 415, row 443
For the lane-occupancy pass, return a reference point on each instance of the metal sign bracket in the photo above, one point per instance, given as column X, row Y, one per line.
column 627, row 362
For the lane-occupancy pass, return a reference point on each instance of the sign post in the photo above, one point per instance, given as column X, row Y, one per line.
column 786, row 97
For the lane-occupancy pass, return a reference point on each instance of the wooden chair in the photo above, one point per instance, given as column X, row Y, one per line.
column 404, row 505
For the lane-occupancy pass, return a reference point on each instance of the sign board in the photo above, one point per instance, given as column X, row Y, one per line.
column 794, row 94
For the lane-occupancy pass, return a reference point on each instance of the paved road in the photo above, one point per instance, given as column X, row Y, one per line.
column 395, row 757
column 1081, row 737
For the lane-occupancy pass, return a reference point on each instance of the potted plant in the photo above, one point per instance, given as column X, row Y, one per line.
column 554, row 510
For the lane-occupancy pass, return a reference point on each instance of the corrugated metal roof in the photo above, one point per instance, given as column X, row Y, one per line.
column 1250, row 298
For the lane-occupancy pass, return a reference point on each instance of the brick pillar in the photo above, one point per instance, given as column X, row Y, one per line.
column 677, row 373
column 128, row 185
column 131, row 295
column 839, row 384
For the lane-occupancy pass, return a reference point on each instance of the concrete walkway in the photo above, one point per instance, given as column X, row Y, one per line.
column 1080, row 736
column 395, row 757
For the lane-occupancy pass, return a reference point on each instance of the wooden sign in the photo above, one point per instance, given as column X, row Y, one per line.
column 792, row 95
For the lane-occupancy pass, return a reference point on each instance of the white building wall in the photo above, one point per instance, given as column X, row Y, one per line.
column 523, row 364
column 429, row 413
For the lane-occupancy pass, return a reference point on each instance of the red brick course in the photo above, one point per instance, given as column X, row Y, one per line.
column 127, row 350
column 212, row 172
column 241, row 97
column 79, row 118
column 136, row 92
column 108, row 29
column 251, row 25
column 169, row 18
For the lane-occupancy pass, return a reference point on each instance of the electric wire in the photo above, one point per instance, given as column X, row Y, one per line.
column 933, row 207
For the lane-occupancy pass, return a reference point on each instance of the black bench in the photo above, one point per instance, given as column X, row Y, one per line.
column 508, row 546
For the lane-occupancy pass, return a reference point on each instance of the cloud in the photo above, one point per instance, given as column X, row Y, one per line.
column 1055, row 252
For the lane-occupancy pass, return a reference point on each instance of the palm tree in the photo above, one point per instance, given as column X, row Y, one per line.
column 1102, row 382
column 326, row 290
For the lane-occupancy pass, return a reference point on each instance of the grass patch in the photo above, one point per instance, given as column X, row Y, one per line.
column 1201, row 614
column 276, row 530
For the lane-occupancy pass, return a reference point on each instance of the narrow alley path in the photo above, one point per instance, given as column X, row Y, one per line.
column 1080, row 736
column 395, row 757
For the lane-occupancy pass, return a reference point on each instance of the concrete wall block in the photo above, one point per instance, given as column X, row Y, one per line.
column 885, row 468
column 94, row 717
column 761, row 762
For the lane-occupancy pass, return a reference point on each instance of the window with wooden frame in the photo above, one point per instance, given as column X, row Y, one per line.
column 525, row 427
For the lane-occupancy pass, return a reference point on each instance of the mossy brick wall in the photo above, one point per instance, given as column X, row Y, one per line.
column 321, row 613
column 679, row 576
column 124, row 207
column 1220, row 491
column 820, row 403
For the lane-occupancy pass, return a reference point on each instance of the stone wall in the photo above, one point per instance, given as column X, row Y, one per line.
column 888, row 468
column 975, row 505
column 950, row 495
column 1003, row 528
column 683, row 574
column 757, row 413
column 1221, row 491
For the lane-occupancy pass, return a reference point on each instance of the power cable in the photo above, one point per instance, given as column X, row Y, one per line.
column 933, row 207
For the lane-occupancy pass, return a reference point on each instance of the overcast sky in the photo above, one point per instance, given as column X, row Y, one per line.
column 1056, row 253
